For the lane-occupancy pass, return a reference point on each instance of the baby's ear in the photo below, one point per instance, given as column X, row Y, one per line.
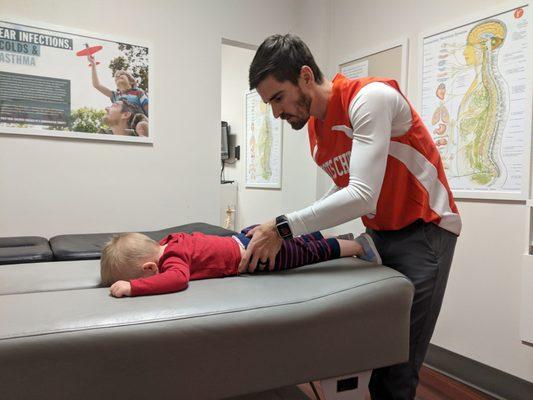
column 150, row 268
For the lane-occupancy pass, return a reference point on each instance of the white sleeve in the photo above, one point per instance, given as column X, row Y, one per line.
column 372, row 112
column 334, row 188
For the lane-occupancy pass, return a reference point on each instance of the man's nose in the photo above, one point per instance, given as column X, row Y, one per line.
column 276, row 110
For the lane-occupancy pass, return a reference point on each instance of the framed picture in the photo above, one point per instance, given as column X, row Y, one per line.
column 475, row 95
column 388, row 60
column 60, row 82
column 263, row 144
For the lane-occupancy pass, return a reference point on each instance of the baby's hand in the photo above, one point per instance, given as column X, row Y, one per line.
column 120, row 289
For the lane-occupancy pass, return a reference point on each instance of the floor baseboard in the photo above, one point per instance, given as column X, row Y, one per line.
column 491, row 381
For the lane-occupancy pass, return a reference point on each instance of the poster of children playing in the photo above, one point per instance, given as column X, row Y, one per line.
column 56, row 83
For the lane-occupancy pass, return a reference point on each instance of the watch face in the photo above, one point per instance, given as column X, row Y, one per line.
column 284, row 229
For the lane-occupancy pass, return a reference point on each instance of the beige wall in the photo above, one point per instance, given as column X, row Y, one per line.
column 480, row 318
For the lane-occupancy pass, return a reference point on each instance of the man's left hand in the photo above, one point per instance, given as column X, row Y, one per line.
column 262, row 249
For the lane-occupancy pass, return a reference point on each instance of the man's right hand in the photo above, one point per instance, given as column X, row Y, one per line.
column 262, row 249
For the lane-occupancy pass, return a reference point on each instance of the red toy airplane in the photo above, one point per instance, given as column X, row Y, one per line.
column 89, row 52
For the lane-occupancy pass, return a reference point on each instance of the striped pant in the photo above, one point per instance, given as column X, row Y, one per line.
column 301, row 250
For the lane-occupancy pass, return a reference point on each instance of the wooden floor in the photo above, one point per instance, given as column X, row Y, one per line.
column 433, row 386
column 436, row 386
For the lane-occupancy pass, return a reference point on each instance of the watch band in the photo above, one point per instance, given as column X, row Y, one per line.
column 283, row 227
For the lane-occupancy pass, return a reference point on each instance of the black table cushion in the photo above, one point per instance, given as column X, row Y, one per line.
column 89, row 246
column 24, row 249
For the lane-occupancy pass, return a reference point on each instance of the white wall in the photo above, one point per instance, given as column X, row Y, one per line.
column 480, row 318
column 299, row 173
column 298, row 170
column 54, row 186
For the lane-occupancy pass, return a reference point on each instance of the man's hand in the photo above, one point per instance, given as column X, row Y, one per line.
column 120, row 289
column 263, row 247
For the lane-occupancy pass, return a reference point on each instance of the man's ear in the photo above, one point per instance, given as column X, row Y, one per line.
column 126, row 115
column 150, row 268
column 306, row 75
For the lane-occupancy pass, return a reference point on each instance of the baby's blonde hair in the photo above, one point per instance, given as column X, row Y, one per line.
column 123, row 256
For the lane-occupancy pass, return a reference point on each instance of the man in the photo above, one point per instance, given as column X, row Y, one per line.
column 125, row 118
column 385, row 169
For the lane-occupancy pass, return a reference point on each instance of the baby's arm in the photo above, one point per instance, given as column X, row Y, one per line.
column 174, row 279
column 96, row 82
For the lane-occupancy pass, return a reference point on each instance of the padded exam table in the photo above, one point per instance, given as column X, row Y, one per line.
column 63, row 337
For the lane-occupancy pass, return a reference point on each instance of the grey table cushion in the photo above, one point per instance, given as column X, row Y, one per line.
column 24, row 249
column 89, row 246
column 219, row 338
column 49, row 276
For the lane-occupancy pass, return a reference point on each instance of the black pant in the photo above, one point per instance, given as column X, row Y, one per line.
column 422, row 252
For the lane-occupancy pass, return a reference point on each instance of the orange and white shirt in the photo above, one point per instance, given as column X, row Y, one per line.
column 382, row 160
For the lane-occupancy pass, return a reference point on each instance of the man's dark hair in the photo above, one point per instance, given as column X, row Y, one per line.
column 130, row 107
column 136, row 113
column 283, row 56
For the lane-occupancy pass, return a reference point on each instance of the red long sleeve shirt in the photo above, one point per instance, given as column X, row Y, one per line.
column 189, row 257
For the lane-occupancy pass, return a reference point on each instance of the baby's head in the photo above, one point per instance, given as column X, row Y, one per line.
column 129, row 256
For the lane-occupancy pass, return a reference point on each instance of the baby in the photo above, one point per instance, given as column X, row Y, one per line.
column 135, row 265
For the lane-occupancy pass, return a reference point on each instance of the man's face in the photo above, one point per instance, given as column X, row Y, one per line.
column 287, row 100
column 113, row 114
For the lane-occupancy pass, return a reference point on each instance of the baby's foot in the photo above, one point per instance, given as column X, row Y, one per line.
column 370, row 253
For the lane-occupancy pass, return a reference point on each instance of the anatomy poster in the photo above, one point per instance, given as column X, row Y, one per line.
column 53, row 82
column 474, row 101
column 263, row 144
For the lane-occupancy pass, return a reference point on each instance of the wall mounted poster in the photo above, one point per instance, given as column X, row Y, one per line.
column 476, row 102
column 355, row 70
column 263, row 144
column 56, row 83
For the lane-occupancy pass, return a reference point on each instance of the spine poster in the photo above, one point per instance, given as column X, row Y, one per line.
column 475, row 102
column 263, row 144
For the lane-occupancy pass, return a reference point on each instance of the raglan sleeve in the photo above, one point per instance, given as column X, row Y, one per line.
column 174, row 278
column 371, row 114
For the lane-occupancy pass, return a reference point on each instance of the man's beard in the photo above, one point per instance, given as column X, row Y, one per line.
column 304, row 104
